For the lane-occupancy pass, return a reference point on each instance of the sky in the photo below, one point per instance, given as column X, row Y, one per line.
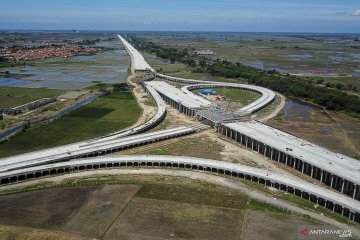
column 323, row 16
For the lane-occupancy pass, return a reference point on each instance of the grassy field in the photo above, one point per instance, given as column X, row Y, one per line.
column 195, row 147
column 102, row 116
column 15, row 96
column 203, row 193
column 237, row 95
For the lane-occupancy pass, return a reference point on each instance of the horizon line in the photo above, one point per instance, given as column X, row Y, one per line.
column 202, row 31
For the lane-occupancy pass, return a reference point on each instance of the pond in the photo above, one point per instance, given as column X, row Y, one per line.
column 294, row 110
column 296, row 57
column 12, row 82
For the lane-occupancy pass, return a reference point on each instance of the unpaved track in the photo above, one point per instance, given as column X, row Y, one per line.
column 148, row 111
column 276, row 111
column 210, row 178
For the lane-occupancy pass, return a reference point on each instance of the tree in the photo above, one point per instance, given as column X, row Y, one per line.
column 339, row 86
column 121, row 87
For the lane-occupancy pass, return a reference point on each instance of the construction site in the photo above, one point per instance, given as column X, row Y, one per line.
column 249, row 149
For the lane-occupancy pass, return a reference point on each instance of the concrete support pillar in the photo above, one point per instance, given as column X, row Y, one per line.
column 321, row 175
column 312, row 170
column 342, row 186
column 265, row 150
column 355, row 187
column 332, row 180
column 336, row 181
column 351, row 216
column 303, row 165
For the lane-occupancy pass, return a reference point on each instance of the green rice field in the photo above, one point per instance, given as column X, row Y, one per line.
column 15, row 96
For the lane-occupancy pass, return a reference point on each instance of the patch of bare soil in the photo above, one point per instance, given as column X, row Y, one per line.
column 25, row 233
column 50, row 208
column 258, row 225
column 141, row 97
column 101, row 209
column 159, row 219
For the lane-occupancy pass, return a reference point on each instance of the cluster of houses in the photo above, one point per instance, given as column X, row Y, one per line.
column 28, row 54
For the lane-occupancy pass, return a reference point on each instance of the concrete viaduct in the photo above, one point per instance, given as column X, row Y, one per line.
column 93, row 149
column 335, row 170
column 336, row 202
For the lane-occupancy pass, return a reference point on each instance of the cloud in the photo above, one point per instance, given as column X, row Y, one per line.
column 341, row 13
column 356, row 12
column 350, row 13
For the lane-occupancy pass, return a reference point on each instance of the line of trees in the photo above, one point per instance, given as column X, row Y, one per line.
column 295, row 86
column 89, row 41
column 289, row 85
column 171, row 54
column 3, row 59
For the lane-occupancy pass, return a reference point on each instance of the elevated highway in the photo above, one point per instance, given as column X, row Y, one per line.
column 92, row 149
column 336, row 202
column 153, row 122
column 267, row 96
column 138, row 63
column 333, row 169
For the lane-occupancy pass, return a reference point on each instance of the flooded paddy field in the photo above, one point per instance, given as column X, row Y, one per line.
column 335, row 131
column 309, row 55
column 73, row 73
